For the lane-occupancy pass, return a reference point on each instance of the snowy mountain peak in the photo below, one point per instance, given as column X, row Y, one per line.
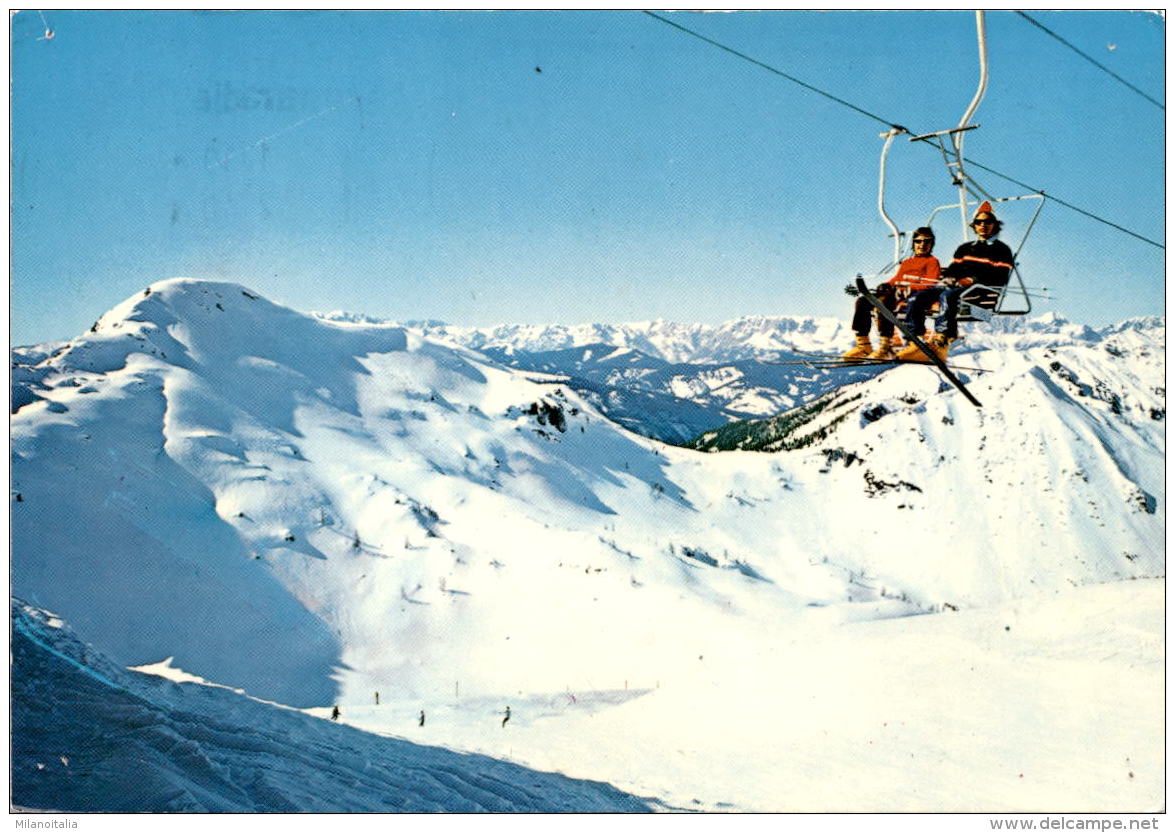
column 314, row 510
column 213, row 318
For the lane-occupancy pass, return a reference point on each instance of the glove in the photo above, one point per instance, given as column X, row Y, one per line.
column 852, row 290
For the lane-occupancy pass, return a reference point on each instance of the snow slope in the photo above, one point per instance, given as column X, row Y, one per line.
column 1059, row 480
column 1049, row 705
column 1052, row 704
column 91, row 737
column 314, row 511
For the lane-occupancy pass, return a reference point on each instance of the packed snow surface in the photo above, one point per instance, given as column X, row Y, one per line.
column 309, row 511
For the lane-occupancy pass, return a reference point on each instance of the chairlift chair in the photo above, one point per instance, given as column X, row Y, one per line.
column 978, row 302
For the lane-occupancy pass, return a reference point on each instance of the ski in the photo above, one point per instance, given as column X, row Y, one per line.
column 913, row 339
column 824, row 360
column 826, row 363
column 813, row 355
column 829, row 360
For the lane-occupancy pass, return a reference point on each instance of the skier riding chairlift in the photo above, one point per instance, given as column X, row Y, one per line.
column 986, row 297
column 980, row 267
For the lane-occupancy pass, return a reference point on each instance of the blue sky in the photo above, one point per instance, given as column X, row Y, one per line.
column 419, row 165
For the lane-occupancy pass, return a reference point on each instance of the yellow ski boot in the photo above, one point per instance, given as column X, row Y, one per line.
column 884, row 351
column 937, row 342
column 861, row 350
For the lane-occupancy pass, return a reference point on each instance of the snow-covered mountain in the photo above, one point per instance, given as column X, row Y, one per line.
column 675, row 402
column 669, row 341
column 749, row 338
column 317, row 510
column 675, row 381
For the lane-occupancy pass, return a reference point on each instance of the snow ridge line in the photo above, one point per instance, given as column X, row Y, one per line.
column 19, row 625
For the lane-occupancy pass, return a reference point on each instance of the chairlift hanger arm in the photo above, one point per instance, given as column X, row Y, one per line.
column 880, row 120
column 895, row 232
column 957, row 136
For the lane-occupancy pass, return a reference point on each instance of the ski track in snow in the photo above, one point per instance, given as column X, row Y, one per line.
column 314, row 509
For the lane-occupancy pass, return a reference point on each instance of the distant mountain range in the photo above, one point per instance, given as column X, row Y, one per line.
column 675, row 381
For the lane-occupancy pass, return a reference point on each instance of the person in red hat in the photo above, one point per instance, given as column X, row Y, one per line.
column 919, row 271
column 985, row 262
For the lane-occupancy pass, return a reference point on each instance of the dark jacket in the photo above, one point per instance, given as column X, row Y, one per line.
column 987, row 262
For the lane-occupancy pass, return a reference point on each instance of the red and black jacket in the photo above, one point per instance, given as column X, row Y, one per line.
column 987, row 262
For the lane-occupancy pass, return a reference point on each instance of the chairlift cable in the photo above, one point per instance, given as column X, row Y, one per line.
column 895, row 125
column 772, row 69
column 1100, row 66
column 1068, row 205
column 48, row 29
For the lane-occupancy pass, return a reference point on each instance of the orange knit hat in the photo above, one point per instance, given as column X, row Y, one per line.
column 984, row 208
